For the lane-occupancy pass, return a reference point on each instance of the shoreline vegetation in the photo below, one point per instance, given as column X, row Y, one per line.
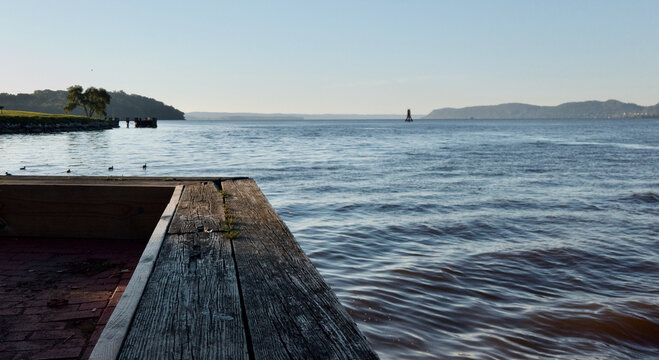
column 17, row 122
column 122, row 106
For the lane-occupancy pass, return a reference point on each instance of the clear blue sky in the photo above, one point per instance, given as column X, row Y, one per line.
column 336, row 56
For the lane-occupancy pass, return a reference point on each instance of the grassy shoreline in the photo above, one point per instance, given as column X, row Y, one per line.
column 36, row 117
column 13, row 121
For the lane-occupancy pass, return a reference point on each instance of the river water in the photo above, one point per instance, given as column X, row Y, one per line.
column 443, row 239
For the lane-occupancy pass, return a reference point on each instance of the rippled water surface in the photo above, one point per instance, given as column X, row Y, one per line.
column 443, row 239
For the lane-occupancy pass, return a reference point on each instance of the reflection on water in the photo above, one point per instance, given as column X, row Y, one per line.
column 443, row 239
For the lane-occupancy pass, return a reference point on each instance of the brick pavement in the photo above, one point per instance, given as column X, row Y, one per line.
column 56, row 295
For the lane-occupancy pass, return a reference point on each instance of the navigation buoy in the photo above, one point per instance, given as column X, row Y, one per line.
column 409, row 116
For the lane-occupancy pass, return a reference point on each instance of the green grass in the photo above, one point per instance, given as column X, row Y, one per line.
column 230, row 231
column 14, row 116
column 17, row 113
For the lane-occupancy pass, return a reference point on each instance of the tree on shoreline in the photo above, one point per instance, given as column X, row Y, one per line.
column 93, row 100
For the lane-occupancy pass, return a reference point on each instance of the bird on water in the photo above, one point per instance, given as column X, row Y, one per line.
column 68, row 171
column 144, row 166
column 7, row 174
column 23, row 168
column 111, row 168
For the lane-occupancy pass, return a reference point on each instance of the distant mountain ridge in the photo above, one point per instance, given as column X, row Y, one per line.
column 610, row 109
column 122, row 105
column 200, row 115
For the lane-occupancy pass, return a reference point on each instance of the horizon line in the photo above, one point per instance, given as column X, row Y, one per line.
column 386, row 114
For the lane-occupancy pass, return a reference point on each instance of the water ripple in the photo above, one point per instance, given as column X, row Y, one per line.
column 443, row 239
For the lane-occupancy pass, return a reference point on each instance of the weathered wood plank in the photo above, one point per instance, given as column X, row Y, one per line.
column 291, row 312
column 191, row 306
column 200, row 206
column 114, row 333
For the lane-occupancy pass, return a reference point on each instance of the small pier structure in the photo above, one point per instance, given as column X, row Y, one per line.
column 147, row 122
column 220, row 277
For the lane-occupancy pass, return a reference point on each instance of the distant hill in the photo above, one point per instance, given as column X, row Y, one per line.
column 611, row 109
column 201, row 115
column 122, row 105
column 653, row 110
column 261, row 116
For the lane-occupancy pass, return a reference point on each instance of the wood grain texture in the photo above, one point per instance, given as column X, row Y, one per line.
column 191, row 306
column 291, row 313
column 115, row 331
column 200, row 207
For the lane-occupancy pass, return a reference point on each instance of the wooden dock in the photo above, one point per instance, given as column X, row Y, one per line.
column 221, row 277
column 149, row 122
